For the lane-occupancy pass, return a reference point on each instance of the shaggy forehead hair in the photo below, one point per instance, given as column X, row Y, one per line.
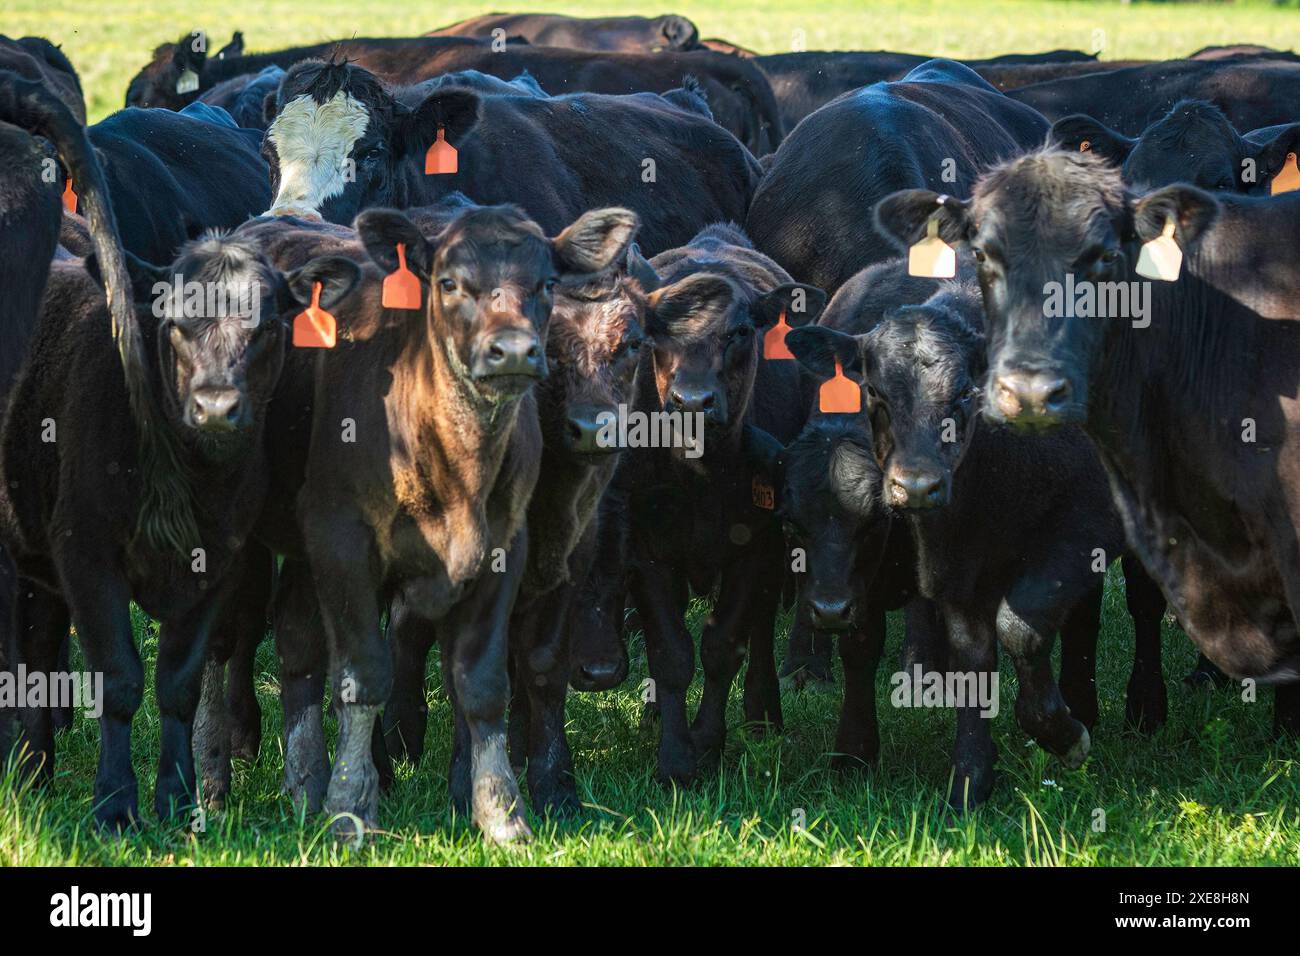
column 217, row 257
column 476, row 230
column 322, row 80
column 1051, row 192
column 587, row 329
column 1188, row 118
column 924, row 337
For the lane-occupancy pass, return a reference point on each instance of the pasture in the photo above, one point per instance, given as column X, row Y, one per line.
column 1213, row 787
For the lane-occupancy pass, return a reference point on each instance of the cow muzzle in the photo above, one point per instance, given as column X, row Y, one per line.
column 513, row 354
column 1034, row 399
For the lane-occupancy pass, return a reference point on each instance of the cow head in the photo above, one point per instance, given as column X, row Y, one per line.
column 492, row 275
column 1033, row 222
column 161, row 84
column 341, row 142
column 593, row 349
column 1193, row 143
column 706, row 330
column 222, row 314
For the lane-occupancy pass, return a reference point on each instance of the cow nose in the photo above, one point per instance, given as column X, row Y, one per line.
column 687, row 398
column 916, row 488
column 216, row 409
column 513, row 352
column 1034, row 397
column 599, row 675
column 582, row 431
column 830, row 615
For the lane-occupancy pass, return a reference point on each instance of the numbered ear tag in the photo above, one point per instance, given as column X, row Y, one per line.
column 840, row 394
column 188, row 82
column 1161, row 258
column 1085, row 146
column 401, row 287
column 932, row 257
column 441, row 157
column 314, row 327
column 774, row 346
column 762, row 493
column 1287, row 178
column 69, row 197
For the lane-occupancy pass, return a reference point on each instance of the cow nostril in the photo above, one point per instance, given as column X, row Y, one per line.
column 1058, row 394
column 707, row 403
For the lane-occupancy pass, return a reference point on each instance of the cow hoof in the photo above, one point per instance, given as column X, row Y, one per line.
column 119, row 813
column 558, row 803
column 1146, row 714
column 245, row 745
column 496, row 812
column 1074, row 757
column 173, row 804
column 354, row 792
column 970, row 789
column 807, row 679
column 852, row 764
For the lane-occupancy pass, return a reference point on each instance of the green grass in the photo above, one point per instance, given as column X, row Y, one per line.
column 109, row 42
column 1213, row 787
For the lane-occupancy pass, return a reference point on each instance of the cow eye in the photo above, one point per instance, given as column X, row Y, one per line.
column 447, row 285
column 979, row 254
column 550, row 284
column 1109, row 256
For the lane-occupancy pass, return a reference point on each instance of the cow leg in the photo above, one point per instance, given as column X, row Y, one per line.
column 41, row 627
column 303, row 672
column 178, row 678
column 211, row 741
column 762, row 686
column 925, row 643
column 61, row 716
column 722, row 651
column 1286, row 710
column 671, row 656
column 857, row 741
column 1206, row 674
column 99, row 601
column 1146, row 704
column 972, row 650
column 1079, row 656
column 9, row 717
column 476, row 635
column 597, row 652
column 519, row 719
column 807, row 656
column 1027, row 621
column 345, row 569
column 543, row 673
column 248, row 617
column 406, row 715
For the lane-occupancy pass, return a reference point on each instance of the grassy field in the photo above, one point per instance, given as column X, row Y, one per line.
column 1212, row 787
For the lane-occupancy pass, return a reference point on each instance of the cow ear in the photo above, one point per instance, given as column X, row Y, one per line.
column 145, row 276
column 1073, row 132
column 678, row 32
column 763, row 453
column 595, row 240
column 903, row 216
column 1192, row 210
column 234, row 48
column 455, row 111
column 696, row 301
column 816, row 348
column 185, row 57
column 640, row 269
column 337, row 276
column 382, row 229
column 1271, row 146
column 802, row 304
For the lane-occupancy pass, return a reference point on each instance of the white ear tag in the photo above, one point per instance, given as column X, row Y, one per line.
column 932, row 256
column 1161, row 258
column 188, row 82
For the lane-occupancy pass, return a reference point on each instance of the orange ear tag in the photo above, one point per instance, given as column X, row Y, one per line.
column 1085, row 146
column 441, row 157
column 314, row 328
column 840, row 394
column 401, row 287
column 932, row 257
column 1161, row 258
column 774, row 346
column 1287, row 178
column 69, row 197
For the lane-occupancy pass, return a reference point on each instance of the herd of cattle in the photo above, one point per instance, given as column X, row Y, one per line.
column 468, row 251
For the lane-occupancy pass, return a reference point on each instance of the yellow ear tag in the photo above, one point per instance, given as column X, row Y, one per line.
column 774, row 346
column 1161, row 258
column 932, row 257
column 1287, row 178
column 441, row 158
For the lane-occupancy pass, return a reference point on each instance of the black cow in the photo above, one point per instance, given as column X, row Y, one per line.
column 1252, row 92
column 171, row 177
column 159, row 519
column 938, row 126
column 555, row 156
column 244, row 97
column 35, row 58
column 1187, row 409
column 1041, row 561
column 1194, row 143
column 614, row 34
column 804, row 82
column 694, row 516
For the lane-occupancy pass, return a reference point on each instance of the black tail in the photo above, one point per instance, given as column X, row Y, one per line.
column 166, row 502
